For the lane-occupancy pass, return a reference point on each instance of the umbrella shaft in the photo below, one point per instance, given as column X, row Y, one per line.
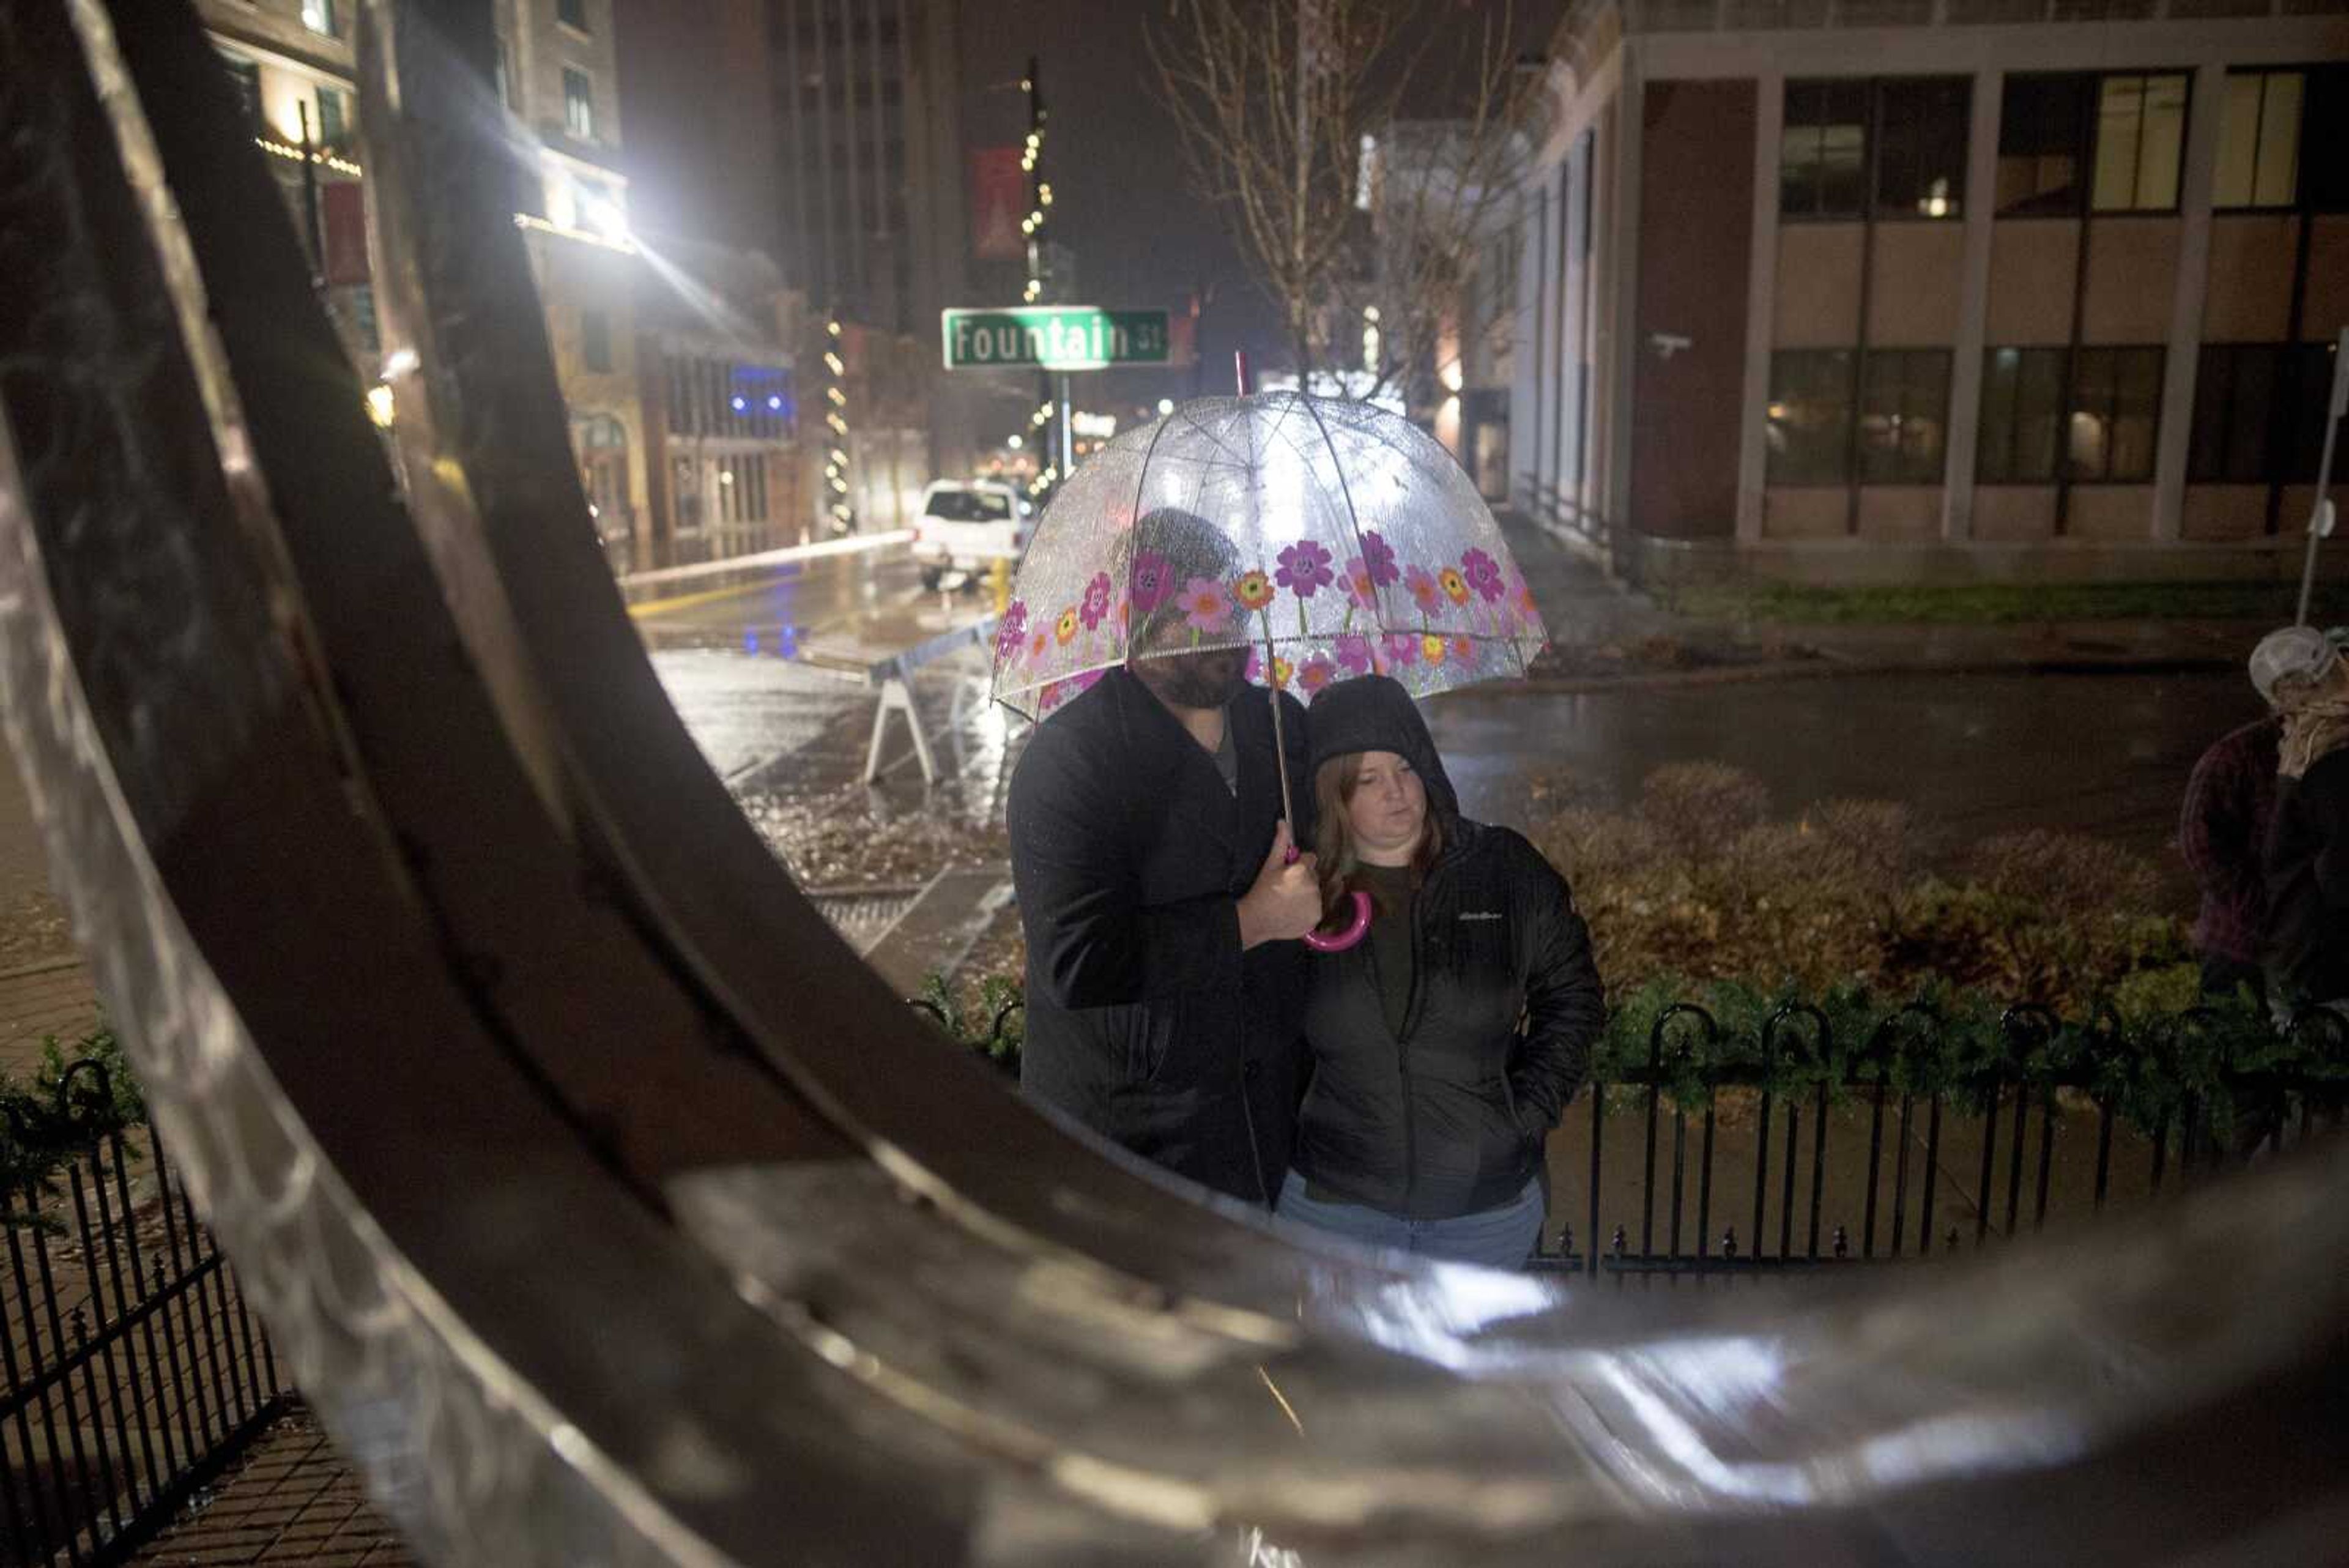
column 1279, row 739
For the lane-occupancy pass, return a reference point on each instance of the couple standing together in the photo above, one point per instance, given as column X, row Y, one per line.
column 1398, row 1092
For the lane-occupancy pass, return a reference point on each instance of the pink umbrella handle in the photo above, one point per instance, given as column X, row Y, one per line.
column 1356, row 929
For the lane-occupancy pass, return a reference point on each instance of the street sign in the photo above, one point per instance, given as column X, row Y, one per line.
column 1054, row 337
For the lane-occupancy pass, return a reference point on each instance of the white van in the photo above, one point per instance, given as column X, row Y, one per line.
column 967, row 525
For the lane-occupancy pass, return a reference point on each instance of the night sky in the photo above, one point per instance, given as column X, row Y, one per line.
column 1121, row 199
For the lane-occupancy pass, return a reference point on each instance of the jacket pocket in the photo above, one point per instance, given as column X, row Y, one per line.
column 1144, row 1040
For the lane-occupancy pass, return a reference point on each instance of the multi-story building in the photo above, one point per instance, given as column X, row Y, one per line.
column 867, row 118
column 290, row 63
column 1898, row 288
column 558, row 80
column 292, row 60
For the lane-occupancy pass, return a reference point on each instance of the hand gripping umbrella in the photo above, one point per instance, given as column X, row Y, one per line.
column 1331, row 539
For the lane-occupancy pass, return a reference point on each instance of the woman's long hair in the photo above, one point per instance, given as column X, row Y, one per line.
column 1340, row 867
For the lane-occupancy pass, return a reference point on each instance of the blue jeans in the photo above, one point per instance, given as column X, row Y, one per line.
column 1499, row 1237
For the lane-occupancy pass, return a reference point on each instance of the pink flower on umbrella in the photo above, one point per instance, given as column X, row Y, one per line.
column 1399, row 647
column 1012, row 632
column 1423, row 589
column 1317, row 672
column 1304, row 567
column 1095, row 609
column 1354, row 652
column 1483, row 575
column 1151, row 581
column 1379, row 558
column 1361, row 586
column 1207, row 605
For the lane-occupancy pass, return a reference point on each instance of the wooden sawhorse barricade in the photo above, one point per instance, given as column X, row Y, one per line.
column 892, row 676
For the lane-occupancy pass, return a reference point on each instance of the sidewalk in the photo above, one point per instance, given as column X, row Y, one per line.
column 1603, row 635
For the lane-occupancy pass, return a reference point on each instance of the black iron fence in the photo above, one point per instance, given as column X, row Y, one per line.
column 1796, row 1152
column 132, row 1369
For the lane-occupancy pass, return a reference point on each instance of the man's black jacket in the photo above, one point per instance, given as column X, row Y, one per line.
column 1145, row 1020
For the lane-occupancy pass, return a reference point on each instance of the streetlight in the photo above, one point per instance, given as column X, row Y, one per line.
column 1015, row 442
column 1165, row 405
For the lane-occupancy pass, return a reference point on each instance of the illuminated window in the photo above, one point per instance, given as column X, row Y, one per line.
column 578, row 104
column 2258, row 140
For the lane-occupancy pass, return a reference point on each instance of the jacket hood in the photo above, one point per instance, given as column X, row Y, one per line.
column 1374, row 713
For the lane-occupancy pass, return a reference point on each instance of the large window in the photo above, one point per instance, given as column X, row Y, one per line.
column 244, row 75
column 2258, row 413
column 1917, row 129
column 2022, row 416
column 2113, row 143
column 1822, row 152
column 595, row 341
column 2258, row 140
column 1904, row 416
column 334, row 117
column 2115, row 415
column 578, row 104
column 318, row 16
column 2141, row 142
column 1920, row 146
column 1809, row 432
column 572, row 13
column 1895, row 414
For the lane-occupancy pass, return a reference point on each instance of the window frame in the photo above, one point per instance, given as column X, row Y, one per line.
column 2290, row 439
column 1837, row 474
column 1934, row 391
column 327, row 24
column 2184, row 130
column 578, row 107
column 2089, row 130
column 573, row 14
column 2264, row 76
column 1960, row 88
column 2013, row 426
column 2084, row 358
column 596, row 342
column 1815, row 211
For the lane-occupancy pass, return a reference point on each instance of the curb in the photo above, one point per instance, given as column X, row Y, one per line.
column 1837, row 666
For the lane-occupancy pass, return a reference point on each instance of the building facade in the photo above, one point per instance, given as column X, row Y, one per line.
column 1891, row 288
column 292, row 62
column 868, row 123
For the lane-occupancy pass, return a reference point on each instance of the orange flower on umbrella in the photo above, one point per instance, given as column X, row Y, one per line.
column 1043, row 640
column 1431, row 648
column 1253, row 589
column 1067, row 629
column 1281, row 670
column 1455, row 586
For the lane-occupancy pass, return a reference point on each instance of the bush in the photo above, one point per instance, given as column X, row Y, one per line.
column 72, row 1101
column 987, row 1013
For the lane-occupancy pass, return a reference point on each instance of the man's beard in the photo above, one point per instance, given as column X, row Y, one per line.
column 1206, row 679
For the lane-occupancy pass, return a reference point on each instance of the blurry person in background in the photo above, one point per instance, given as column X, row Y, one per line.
column 2306, row 947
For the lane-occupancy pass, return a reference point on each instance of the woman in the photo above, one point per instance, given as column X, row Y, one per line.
column 1423, row 1126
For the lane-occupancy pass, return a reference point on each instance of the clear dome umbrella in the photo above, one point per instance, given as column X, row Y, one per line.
column 1332, row 538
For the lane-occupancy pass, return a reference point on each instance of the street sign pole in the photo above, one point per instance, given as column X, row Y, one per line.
column 2320, row 520
column 1067, row 438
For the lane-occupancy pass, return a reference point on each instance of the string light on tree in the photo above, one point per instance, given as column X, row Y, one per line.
column 835, row 419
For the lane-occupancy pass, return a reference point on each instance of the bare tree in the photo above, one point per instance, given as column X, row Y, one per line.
column 1367, row 151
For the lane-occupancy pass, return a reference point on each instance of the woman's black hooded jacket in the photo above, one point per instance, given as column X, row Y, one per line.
column 1447, row 1119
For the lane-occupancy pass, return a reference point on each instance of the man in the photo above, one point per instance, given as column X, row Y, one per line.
column 1165, row 974
column 2306, row 948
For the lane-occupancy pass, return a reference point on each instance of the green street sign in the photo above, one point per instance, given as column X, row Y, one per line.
column 1055, row 337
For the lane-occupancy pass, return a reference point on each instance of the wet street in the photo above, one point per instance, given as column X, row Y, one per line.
column 1971, row 755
